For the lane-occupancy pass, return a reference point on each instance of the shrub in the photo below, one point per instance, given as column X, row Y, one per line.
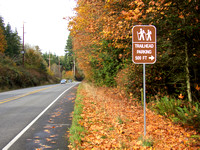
column 13, row 76
column 189, row 115
column 179, row 111
column 167, row 107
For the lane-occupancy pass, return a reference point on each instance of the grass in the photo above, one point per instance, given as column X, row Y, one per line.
column 146, row 142
column 120, row 121
column 76, row 128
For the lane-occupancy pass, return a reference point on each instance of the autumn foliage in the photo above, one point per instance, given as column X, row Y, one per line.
column 111, row 122
column 102, row 34
column 3, row 43
column 102, row 44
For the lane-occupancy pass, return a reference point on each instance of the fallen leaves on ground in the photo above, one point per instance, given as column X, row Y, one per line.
column 113, row 122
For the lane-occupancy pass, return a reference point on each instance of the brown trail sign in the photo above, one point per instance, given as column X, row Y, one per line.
column 144, row 52
column 144, row 44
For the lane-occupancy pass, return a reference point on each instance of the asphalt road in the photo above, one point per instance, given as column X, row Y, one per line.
column 36, row 117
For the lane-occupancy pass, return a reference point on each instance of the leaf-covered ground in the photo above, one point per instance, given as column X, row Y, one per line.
column 111, row 122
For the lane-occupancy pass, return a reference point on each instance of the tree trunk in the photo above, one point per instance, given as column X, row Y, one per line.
column 187, row 72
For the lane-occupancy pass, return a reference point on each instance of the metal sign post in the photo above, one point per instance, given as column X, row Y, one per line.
column 144, row 52
column 144, row 93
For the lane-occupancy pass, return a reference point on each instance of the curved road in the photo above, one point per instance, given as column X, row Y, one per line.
column 21, row 109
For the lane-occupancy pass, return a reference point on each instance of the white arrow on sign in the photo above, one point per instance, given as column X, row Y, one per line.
column 152, row 58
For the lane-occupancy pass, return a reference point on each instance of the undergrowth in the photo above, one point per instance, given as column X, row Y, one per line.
column 13, row 76
column 179, row 111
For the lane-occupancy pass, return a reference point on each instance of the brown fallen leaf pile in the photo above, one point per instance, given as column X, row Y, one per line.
column 112, row 122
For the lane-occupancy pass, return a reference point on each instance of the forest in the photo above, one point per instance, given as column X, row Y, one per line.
column 102, row 44
column 102, row 35
column 31, row 68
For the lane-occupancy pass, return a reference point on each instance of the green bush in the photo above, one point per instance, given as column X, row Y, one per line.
column 179, row 112
column 188, row 115
column 167, row 107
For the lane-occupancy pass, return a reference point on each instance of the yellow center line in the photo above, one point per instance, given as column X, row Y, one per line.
column 23, row 95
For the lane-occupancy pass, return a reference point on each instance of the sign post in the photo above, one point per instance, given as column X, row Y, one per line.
column 144, row 52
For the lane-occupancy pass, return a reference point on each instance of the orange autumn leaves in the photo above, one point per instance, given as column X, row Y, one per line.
column 3, row 43
column 96, row 21
column 111, row 122
column 110, row 20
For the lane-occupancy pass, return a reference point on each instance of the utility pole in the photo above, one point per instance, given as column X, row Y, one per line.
column 23, row 45
column 59, row 66
column 74, row 68
column 49, row 62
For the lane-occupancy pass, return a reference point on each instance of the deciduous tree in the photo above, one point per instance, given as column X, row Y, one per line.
column 3, row 43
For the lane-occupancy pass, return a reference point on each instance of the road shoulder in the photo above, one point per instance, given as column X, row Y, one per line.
column 51, row 129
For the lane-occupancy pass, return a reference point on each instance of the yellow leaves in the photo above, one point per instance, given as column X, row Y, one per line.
column 162, row 13
column 137, row 11
column 152, row 3
column 120, row 56
column 181, row 96
column 149, row 9
column 120, row 22
column 197, row 87
column 106, row 32
column 3, row 43
column 47, row 131
column 168, row 4
column 139, row 2
column 102, row 107
column 181, row 16
column 48, row 139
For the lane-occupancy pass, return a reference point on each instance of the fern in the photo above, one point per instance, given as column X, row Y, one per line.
column 181, row 114
column 190, row 116
column 167, row 106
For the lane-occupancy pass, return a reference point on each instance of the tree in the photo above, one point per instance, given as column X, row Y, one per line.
column 68, row 60
column 53, row 58
column 2, row 25
column 34, row 59
column 13, row 42
column 3, row 43
column 111, row 21
column 177, row 24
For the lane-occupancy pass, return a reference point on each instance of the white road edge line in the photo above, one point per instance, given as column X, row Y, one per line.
column 32, row 122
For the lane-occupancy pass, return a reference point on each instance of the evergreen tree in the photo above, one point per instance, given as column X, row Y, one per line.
column 53, row 58
column 13, row 42
column 2, row 25
column 69, row 53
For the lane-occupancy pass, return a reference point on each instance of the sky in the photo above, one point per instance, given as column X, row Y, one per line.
column 44, row 25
